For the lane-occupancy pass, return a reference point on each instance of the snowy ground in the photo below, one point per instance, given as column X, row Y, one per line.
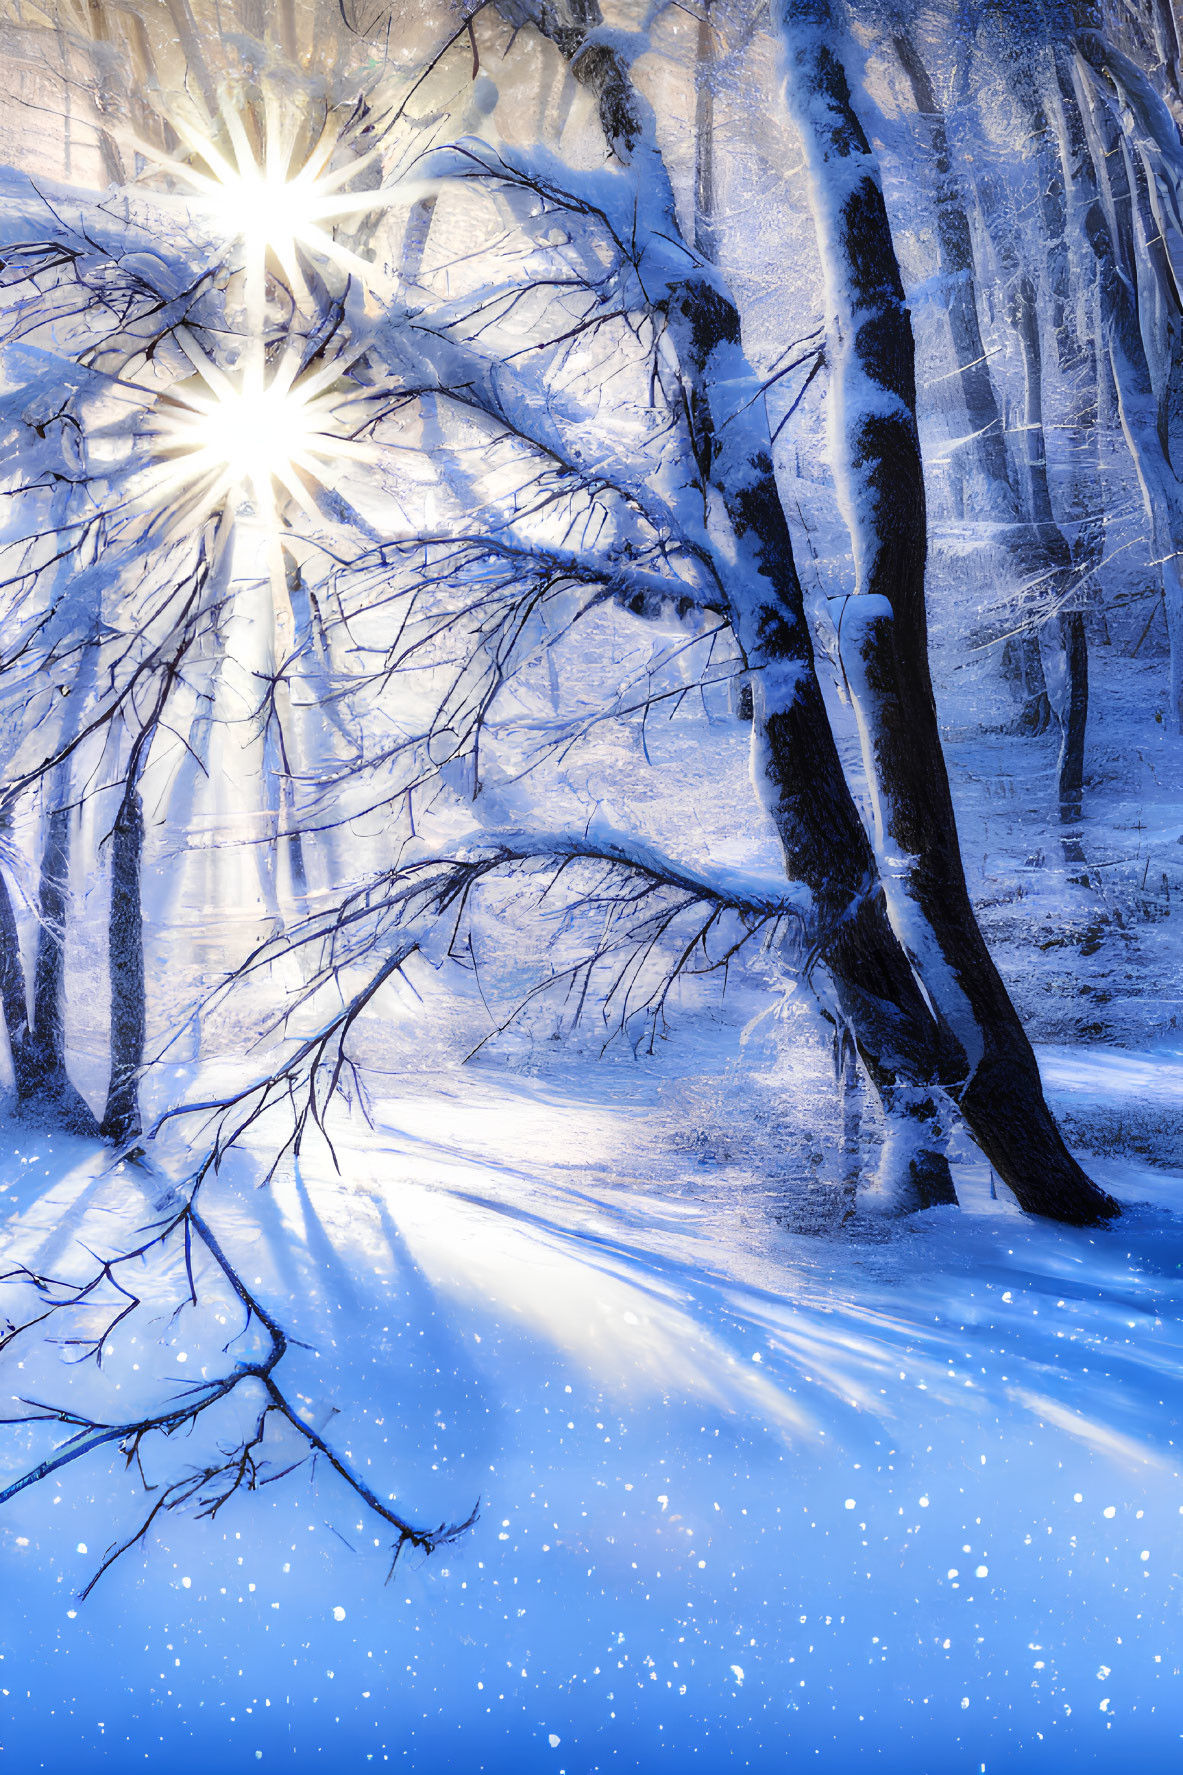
column 749, row 1499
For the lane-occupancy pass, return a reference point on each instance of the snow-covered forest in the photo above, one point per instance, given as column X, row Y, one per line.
column 591, row 853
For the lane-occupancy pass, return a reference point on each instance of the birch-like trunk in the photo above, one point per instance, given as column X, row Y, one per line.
column 880, row 480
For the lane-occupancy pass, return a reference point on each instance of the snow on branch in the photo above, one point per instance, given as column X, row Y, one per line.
column 631, row 922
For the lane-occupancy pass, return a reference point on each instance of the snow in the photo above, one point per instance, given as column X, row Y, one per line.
column 736, row 1489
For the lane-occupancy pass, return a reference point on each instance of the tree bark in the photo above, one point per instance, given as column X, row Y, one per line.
column 880, row 479
column 959, row 278
column 125, row 949
column 48, row 1095
column 1057, row 555
column 705, row 231
column 705, row 241
column 1091, row 145
column 14, row 997
column 795, row 762
column 959, row 274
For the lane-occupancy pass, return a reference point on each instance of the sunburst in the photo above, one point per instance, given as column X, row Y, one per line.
column 245, row 430
column 264, row 188
column 252, row 443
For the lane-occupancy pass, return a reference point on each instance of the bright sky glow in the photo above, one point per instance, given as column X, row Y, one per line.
column 265, row 206
column 248, row 433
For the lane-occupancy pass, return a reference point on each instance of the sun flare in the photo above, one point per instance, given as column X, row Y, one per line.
column 249, row 439
column 254, row 177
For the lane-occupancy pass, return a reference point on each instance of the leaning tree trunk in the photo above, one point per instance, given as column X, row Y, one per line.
column 884, row 635
column 795, row 764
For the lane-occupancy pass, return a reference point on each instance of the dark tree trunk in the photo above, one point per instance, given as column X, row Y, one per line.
column 1071, row 764
column 880, row 473
column 49, row 971
column 48, row 1096
column 14, row 995
column 125, row 948
column 796, row 765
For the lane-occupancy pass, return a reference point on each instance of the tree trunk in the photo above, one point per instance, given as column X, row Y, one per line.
column 846, row 1071
column 706, row 242
column 880, row 480
column 704, row 140
column 49, row 1097
column 415, row 237
column 1053, row 546
column 959, row 280
column 14, row 997
column 795, row 762
column 1091, row 145
column 1070, row 769
column 125, row 946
